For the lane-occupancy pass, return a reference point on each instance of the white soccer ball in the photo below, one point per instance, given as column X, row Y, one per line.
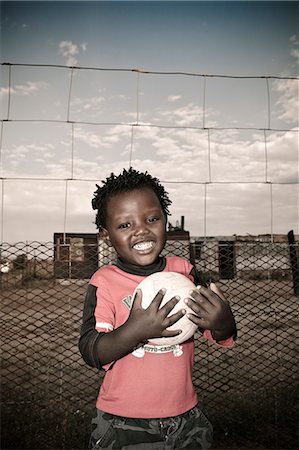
column 175, row 284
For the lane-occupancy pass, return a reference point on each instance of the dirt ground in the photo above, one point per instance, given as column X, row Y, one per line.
column 48, row 393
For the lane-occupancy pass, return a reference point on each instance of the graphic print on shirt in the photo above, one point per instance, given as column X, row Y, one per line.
column 177, row 349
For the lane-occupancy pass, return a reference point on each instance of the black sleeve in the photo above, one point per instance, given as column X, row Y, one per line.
column 199, row 279
column 89, row 336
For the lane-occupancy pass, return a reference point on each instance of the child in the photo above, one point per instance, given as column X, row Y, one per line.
column 147, row 399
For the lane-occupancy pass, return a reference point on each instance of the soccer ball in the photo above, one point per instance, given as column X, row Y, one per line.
column 175, row 284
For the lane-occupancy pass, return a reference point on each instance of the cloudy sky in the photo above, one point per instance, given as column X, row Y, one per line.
column 203, row 95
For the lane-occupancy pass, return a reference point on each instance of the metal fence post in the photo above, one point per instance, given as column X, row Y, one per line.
column 294, row 262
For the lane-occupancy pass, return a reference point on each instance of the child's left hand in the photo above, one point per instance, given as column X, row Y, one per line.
column 211, row 312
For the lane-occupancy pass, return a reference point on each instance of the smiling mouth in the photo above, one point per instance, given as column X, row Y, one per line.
column 143, row 246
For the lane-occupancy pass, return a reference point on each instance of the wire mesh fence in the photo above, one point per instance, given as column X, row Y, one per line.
column 62, row 129
column 48, row 393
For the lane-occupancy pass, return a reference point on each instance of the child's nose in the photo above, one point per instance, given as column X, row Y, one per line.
column 139, row 229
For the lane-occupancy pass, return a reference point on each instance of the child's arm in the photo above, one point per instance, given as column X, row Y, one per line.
column 212, row 312
column 141, row 325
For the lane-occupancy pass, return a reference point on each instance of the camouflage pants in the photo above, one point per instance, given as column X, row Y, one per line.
column 191, row 430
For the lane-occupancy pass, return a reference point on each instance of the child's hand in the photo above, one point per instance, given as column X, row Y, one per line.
column 211, row 311
column 153, row 321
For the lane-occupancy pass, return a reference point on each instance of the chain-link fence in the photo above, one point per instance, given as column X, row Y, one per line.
column 48, row 393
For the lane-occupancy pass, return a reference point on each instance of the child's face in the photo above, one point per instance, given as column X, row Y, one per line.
column 136, row 226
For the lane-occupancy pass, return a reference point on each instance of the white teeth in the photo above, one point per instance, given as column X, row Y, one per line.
column 143, row 246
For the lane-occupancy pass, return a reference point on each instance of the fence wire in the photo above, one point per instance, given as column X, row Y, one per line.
column 48, row 393
column 135, row 122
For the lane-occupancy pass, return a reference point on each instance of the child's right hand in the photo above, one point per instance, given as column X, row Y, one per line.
column 142, row 325
column 152, row 322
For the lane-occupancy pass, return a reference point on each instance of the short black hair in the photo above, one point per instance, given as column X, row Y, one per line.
column 126, row 181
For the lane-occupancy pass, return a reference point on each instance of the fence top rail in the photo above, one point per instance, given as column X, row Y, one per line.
column 152, row 72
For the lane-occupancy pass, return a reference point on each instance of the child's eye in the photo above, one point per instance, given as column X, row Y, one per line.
column 123, row 226
column 153, row 219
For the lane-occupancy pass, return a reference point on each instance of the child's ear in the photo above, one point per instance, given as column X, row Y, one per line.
column 104, row 234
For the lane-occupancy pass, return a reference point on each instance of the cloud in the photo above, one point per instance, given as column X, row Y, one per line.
column 18, row 160
column 69, row 50
column 288, row 100
column 174, row 98
column 89, row 138
column 164, row 154
column 28, row 88
column 5, row 91
column 187, row 115
column 295, row 54
column 102, row 106
column 91, row 105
